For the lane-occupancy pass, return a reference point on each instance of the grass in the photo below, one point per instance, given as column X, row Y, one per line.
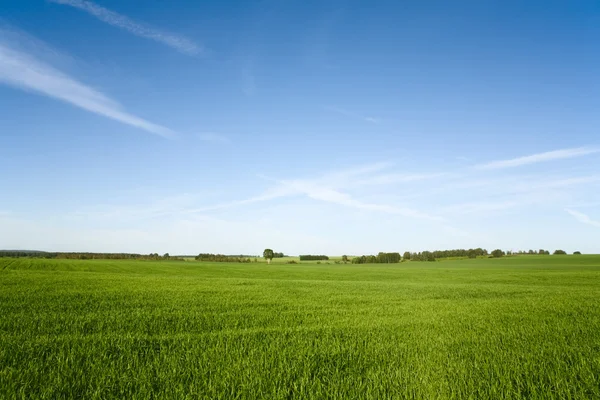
column 514, row 328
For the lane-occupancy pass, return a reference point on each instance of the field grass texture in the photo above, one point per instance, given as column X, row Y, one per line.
column 513, row 328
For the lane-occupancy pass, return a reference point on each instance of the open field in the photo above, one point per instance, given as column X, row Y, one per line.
column 521, row 327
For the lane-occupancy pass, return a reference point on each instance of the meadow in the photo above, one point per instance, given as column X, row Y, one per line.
column 513, row 328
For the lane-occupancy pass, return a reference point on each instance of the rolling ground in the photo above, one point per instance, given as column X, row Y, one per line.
column 520, row 327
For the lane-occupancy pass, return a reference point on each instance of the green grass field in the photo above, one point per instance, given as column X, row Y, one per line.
column 514, row 328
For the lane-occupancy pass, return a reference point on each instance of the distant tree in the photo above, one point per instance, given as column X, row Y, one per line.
column 166, row 255
column 541, row 251
column 406, row 255
column 577, row 253
column 268, row 255
column 559, row 252
column 497, row 253
column 345, row 258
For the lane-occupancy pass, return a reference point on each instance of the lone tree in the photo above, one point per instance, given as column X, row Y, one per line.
column 345, row 258
column 406, row 255
column 577, row 253
column 268, row 255
column 559, row 252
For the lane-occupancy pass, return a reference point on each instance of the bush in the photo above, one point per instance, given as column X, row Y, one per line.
column 497, row 253
column 292, row 262
column 559, row 252
column 577, row 253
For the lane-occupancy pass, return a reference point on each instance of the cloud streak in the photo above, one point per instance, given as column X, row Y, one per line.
column 326, row 188
column 179, row 43
column 583, row 218
column 388, row 179
column 24, row 71
column 540, row 157
column 318, row 192
column 347, row 113
column 481, row 207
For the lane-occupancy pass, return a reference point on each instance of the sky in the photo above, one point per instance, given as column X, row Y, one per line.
column 309, row 127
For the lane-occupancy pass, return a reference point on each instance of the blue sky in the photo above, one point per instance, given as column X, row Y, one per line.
column 336, row 127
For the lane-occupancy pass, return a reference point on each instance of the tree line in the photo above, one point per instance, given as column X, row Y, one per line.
column 311, row 257
column 88, row 256
column 385, row 258
column 380, row 258
column 221, row 258
column 533, row 252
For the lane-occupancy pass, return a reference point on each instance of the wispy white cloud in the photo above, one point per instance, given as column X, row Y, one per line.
column 518, row 192
column 26, row 72
column 585, row 204
column 479, row 207
column 327, row 188
column 540, row 157
column 270, row 194
column 343, row 178
column 318, row 192
column 347, row 113
column 387, row 179
column 176, row 42
column 350, row 176
column 213, row 137
column 564, row 182
column 583, row 218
